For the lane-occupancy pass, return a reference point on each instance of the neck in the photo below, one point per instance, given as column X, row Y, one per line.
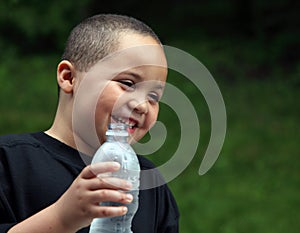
column 78, row 136
column 69, row 138
column 63, row 134
column 61, row 128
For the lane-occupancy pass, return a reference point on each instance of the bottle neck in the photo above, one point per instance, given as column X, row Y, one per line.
column 116, row 138
column 117, row 132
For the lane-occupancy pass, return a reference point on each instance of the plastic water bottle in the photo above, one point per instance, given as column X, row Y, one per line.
column 117, row 149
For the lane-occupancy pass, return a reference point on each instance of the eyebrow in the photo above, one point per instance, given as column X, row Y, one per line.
column 135, row 75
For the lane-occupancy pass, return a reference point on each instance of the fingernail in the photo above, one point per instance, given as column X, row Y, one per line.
column 116, row 165
column 128, row 185
column 129, row 197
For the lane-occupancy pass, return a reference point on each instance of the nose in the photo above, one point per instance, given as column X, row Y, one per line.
column 140, row 107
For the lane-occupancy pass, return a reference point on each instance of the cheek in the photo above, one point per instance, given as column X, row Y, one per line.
column 149, row 122
column 103, row 111
column 107, row 100
column 151, row 117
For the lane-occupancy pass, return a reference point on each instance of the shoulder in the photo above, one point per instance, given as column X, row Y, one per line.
column 145, row 163
column 12, row 140
column 150, row 176
column 15, row 146
column 13, row 149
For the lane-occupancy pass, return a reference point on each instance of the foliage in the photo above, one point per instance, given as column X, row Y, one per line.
column 38, row 26
column 33, row 26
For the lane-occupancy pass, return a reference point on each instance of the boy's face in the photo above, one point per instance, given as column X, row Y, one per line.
column 130, row 95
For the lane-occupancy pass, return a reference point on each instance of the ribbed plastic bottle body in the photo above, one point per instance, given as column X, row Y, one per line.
column 119, row 151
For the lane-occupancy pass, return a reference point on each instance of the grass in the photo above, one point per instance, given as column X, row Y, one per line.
column 254, row 185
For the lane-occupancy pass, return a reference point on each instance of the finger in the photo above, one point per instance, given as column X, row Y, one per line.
column 114, row 183
column 108, row 195
column 91, row 171
column 109, row 183
column 109, row 211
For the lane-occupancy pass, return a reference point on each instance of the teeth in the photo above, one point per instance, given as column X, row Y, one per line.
column 119, row 119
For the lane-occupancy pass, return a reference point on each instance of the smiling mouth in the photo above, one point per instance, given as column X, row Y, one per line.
column 131, row 124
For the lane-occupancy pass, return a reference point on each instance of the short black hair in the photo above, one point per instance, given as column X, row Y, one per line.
column 98, row 36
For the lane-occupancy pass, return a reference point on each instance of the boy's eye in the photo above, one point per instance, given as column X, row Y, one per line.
column 153, row 97
column 128, row 84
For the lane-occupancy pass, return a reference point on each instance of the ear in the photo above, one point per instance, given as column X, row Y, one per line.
column 66, row 76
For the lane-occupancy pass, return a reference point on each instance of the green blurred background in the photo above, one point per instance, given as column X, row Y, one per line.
column 252, row 50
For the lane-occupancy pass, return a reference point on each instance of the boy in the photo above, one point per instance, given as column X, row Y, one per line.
column 44, row 184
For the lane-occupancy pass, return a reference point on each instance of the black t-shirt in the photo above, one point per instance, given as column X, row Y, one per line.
column 36, row 169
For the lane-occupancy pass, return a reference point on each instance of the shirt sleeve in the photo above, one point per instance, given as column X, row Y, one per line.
column 6, row 222
column 4, row 228
column 7, row 219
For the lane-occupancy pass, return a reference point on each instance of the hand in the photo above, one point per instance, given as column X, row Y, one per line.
column 80, row 203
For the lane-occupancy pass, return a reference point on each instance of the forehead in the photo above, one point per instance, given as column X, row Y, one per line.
column 146, row 73
column 143, row 47
column 137, row 53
